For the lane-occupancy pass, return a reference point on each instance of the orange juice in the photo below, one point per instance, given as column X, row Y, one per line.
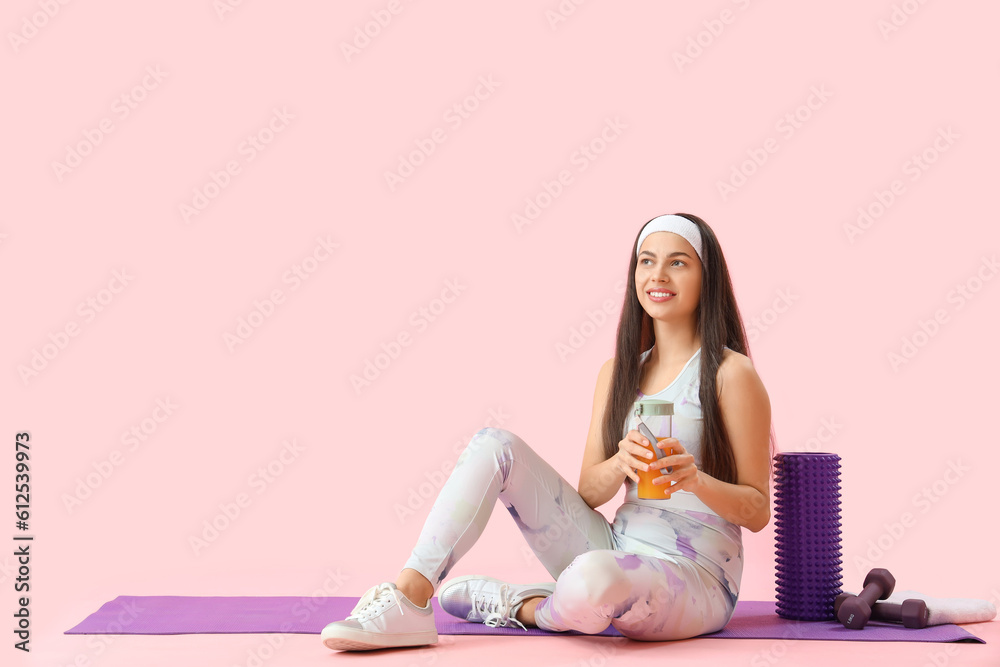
column 648, row 490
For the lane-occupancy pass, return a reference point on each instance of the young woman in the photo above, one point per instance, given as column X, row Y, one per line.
column 664, row 569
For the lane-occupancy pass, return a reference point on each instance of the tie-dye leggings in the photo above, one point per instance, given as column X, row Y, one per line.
column 644, row 597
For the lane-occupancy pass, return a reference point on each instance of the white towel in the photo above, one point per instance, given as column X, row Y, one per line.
column 949, row 610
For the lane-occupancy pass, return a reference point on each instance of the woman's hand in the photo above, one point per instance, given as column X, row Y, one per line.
column 632, row 455
column 680, row 467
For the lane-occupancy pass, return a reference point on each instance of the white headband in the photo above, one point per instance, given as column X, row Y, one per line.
column 673, row 223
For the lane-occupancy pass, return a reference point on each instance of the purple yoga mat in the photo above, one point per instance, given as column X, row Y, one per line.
column 181, row 615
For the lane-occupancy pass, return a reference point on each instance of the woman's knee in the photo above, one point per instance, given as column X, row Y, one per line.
column 668, row 610
column 491, row 441
column 595, row 578
column 500, row 435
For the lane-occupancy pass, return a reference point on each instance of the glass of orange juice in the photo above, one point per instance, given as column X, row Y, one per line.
column 657, row 416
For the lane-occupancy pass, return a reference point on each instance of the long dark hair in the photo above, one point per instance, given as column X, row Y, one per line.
column 718, row 324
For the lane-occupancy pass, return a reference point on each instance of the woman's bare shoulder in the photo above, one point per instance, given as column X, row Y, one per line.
column 738, row 368
column 604, row 375
column 732, row 358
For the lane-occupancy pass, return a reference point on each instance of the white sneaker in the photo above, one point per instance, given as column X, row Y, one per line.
column 489, row 600
column 383, row 618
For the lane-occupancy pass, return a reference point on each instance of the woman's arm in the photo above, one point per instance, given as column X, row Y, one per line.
column 600, row 480
column 746, row 414
column 600, row 483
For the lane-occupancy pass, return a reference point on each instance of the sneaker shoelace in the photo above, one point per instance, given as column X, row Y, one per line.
column 496, row 612
column 375, row 600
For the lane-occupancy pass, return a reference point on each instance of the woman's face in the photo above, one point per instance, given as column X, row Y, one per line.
column 668, row 263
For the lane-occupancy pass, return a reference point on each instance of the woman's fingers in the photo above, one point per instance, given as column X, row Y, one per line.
column 679, row 465
column 634, row 463
column 675, row 460
column 629, row 453
column 675, row 444
column 626, row 467
column 683, row 469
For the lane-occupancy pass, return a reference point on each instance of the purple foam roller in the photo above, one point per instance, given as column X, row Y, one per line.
column 807, row 535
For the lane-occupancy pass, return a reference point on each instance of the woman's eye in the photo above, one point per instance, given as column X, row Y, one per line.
column 643, row 261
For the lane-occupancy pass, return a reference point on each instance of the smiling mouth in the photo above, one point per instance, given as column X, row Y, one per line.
column 656, row 295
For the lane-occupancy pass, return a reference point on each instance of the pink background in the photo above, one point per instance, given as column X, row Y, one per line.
column 328, row 520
